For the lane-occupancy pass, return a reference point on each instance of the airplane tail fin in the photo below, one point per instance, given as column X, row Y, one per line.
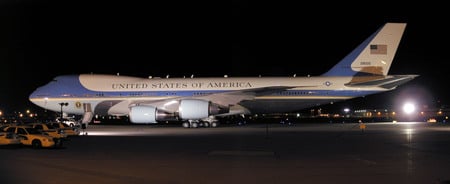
column 374, row 56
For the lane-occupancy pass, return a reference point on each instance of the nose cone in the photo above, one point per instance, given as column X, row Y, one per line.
column 37, row 98
column 32, row 95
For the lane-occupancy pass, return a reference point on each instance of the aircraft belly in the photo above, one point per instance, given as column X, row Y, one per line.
column 280, row 106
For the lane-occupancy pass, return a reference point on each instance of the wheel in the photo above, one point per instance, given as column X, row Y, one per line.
column 36, row 144
column 194, row 124
column 186, row 125
column 206, row 124
column 214, row 124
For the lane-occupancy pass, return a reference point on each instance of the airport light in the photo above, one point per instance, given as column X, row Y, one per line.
column 346, row 110
column 63, row 104
column 409, row 108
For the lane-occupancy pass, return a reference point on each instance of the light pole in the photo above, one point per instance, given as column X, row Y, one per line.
column 63, row 104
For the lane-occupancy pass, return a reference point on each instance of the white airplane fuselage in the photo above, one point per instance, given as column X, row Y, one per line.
column 96, row 89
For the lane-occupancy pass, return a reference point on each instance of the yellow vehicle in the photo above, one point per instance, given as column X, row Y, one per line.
column 9, row 138
column 32, row 137
column 69, row 131
column 432, row 120
column 50, row 130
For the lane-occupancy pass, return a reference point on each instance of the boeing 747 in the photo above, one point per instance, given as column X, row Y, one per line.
column 364, row 71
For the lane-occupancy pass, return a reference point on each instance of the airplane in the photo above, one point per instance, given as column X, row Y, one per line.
column 200, row 101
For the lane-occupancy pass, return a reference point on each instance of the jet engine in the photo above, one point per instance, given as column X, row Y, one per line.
column 190, row 109
column 199, row 109
column 149, row 114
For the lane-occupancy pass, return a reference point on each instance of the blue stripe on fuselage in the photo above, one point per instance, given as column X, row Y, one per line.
column 69, row 86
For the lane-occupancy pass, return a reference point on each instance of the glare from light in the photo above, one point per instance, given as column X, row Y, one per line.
column 409, row 133
column 409, row 108
column 407, row 123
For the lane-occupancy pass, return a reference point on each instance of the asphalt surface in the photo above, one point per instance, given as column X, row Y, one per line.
column 266, row 153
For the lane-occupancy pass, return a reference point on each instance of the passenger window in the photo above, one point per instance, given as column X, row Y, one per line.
column 21, row 131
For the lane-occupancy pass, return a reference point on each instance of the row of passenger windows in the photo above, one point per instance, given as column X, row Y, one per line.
column 291, row 93
column 284, row 93
column 134, row 94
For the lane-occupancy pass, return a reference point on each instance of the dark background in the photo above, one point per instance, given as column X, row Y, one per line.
column 43, row 39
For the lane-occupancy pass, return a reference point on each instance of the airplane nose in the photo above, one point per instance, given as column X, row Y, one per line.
column 32, row 96
column 37, row 99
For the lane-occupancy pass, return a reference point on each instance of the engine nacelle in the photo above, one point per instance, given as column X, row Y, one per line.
column 143, row 114
column 149, row 114
column 199, row 109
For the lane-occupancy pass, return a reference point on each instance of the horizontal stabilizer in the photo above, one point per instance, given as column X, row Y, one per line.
column 387, row 82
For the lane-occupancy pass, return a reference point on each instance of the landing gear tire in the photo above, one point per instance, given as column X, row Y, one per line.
column 186, row 124
column 194, row 125
column 214, row 124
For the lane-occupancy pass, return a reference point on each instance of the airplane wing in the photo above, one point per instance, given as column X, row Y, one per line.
column 234, row 97
column 221, row 98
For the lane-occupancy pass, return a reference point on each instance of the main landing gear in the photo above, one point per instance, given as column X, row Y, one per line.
column 200, row 123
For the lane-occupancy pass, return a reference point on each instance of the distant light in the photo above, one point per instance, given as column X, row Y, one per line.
column 346, row 110
column 409, row 108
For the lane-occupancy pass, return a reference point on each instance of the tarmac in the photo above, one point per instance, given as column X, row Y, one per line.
column 317, row 153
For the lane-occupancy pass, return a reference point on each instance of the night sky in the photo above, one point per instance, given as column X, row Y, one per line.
column 42, row 39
